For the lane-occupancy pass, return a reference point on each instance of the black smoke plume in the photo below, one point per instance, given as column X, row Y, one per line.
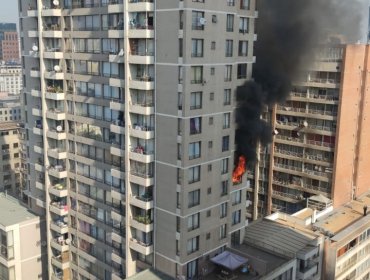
column 288, row 31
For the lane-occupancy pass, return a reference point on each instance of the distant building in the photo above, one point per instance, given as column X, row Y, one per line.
column 10, row 160
column 10, row 107
column 11, row 79
column 9, row 43
column 21, row 254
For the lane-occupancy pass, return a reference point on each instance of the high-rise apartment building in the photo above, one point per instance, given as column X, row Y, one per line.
column 10, row 161
column 320, row 137
column 130, row 108
column 11, row 79
column 9, row 43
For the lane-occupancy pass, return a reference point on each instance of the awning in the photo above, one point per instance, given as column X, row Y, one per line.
column 229, row 260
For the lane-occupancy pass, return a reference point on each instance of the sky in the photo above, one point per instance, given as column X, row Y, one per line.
column 9, row 11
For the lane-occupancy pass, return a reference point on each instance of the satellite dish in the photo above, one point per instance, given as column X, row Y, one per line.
column 56, row 2
column 65, row 219
column 202, row 21
column 35, row 48
column 305, row 123
column 59, row 128
column 57, row 68
column 121, row 52
column 68, row 241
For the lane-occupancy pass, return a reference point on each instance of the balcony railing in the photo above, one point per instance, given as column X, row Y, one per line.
column 146, row 220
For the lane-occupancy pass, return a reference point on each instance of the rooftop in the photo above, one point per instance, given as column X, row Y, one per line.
column 12, row 212
column 343, row 217
column 8, row 125
column 150, row 274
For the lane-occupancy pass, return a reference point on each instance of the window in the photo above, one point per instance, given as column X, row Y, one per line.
column 212, row 71
column 208, row 213
column 197, row 20
column 195, row 125
column 193, row 222
column 228, row 72
column 244, row 4
column 229, row 23
column 229, row 48
column 210, row 144
column 213, row 45
column 181, row 47
column 197, row 47
column 194, row 174
column 192, row 269
column 224, row 187
column 179, row 100
column 193, row 198
column 230, row 2
column 197, row 74
column 195, row 100
column 209, row 190
column 227, row 96
column 193, row 245
column 226, row 121
column 225, row 143
column 235, row 217
column 224, row 165
column 180, row 74
column 223, row 231
column 194, row 150
column 209, row 167
column 211, row 96
column 236, row 197
column 15, row 145
column 242, row 71
column 243, row 48
column 199, row 1
column 223, row 210
column 208, row 236
column 243, row 25
column 210, row 121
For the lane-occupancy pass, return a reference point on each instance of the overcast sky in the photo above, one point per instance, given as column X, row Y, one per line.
column 9, row 11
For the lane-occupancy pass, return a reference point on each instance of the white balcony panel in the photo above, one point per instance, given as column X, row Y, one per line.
column 115, row 34
column 35, row 93
column 118, row 106
column 57, row 174
column 55, row 95
column 141, row 157
column 117, row 129
column 59, row 264
column 117, row 151
column 51, row 12
column 141, row 226
column 52, row 34
column 146, row 182
column 53, row 55
column 143, row 85
column 35, row 73
column 58, row 154
column 141, row 59
column 116, row 82
column 56, row 135
column 56, row 115
column 38, row 149
column 115, row 8
column 61, row 228
column 61, row 211
column 116, row 58
column 39, row 167
column 142, row 110
column 40, row 186
column 141, row 248
column 117, row 195
column 61, row 247
column 141, row 33
column 117, row 173
column 58, row 192
column 141, row 204
column 36, row 112
column 54, row 75
column 140, row 7
column 32, row 13
column 33, row 33
column 142, row 134
column 37, row 131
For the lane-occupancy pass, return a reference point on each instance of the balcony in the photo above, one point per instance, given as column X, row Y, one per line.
column 139, row 178
column 51, row 12
column 37, row 130
column 139, row 154
column 60, row 244
column 142, row 131
column 57, row 153
column 38, row 148
column 52, row 31
column 40, row 186
column 117, row 127
column 308, row 272
column 117, row 57
column 142, row 223
column 142, row 109
column 57, row 135
column 32, row 12
column 287, row 196
column 59, row 208
column 143, row 202
column 141, row 58
column 141, row 247
column 33, row 33
column 61, row 261
column 142, row 83
column 117, row 105
column 36, row 93
column 35, row 72
column 55, row 95
column 58, row 190
column 53, row 53
column 54, row 75
column 59, row 227
column 39, row 167
column 116, row 82
column 57, row 171
column 56, row 114
column 117, row 173
column 117, row 194
column 141, row 6
column 141, row 33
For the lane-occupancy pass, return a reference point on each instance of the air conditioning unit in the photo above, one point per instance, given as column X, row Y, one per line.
column 214, row 18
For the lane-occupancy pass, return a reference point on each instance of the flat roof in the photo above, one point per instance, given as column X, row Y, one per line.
column 342, row 217
column 12, row 212
column 286, row 239
column 150, row 274
column 8, row 125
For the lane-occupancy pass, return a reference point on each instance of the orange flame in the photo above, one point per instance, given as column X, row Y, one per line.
column 239, row 170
